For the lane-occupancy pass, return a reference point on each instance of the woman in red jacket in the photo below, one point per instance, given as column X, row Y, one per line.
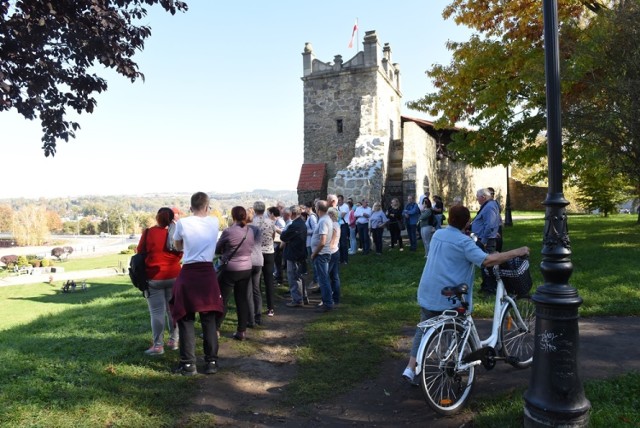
column 163, row 266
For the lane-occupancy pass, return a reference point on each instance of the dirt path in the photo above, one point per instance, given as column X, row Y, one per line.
column 248, row 390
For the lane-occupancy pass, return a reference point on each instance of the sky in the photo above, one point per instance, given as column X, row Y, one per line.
column 221, row 106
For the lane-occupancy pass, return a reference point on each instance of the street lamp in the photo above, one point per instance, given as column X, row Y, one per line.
column 508, row 220
column 555, row 396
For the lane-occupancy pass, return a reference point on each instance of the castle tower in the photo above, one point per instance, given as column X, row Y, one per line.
column 351, row 115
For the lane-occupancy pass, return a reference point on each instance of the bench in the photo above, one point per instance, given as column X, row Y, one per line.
column 24, row 270
column 70, row 286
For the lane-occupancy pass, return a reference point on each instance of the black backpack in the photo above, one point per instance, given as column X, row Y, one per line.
column 137, row 267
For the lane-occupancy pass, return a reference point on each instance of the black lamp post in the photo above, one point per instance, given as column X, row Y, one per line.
column 508, row 220
column 555, row 396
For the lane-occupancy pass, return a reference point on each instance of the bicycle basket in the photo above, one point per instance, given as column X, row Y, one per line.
column 516, row 276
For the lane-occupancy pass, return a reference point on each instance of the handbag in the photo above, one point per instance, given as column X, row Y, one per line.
column 137, row 268
column 221, row 264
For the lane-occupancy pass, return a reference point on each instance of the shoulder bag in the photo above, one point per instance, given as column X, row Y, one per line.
column 137, row 267
column 222, row 263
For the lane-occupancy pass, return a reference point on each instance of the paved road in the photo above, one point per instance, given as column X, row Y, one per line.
column 83, row 246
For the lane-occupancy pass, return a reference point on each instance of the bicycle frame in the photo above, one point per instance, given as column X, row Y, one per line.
column 432, row 325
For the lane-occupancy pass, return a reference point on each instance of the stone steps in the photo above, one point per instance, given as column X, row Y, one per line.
column 394, row 170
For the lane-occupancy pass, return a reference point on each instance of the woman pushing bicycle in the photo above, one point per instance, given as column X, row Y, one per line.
column 453, row 256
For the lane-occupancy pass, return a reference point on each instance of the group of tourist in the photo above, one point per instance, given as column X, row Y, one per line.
column 259, row 246
column 266, row 245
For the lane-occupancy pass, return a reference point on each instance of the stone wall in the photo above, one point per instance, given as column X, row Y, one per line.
column 327, row 100
column 457, row 179
column 419, row 162
column 363, row 177
column 525, row 197
column 351, row 111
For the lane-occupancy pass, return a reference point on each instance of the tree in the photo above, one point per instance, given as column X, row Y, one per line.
column 6, row 218
column 9, row 260
column 57, row 252
column 602, row 195
column 30, row 225
column 602, row 118
column 496, row 83
column 54, row 223
column 49, row 48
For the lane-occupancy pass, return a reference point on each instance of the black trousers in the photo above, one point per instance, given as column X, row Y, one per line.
column 238, row 283
column 344, row 243
column 186, row 326
column 267, row 275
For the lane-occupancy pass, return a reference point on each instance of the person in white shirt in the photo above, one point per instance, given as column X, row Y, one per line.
column 196, row 289
column 321, row 255
column 343, row 221
column 363, row 212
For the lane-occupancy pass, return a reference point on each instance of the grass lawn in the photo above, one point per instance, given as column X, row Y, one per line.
column 117, row 261
column 74, row 359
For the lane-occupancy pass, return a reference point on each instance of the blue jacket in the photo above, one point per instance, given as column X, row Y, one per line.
column 413, row 211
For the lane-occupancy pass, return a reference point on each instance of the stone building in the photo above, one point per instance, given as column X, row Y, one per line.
column 357, row 143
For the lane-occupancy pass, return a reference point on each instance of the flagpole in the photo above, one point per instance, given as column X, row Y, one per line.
column 357, row 34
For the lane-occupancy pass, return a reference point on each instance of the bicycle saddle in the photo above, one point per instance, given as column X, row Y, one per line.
column 457, row 290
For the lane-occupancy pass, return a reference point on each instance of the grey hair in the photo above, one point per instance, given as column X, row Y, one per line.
column 333, row 213
column 484, row 192
column 259, row 207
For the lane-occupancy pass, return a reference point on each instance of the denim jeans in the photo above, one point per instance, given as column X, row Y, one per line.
column 352, row 240
column 321, row 267
column 297, row 287
column 365, row 241
column 158, row 301
column 425, row 314
column 413, row 236
column 438, row 218
column 334, row 276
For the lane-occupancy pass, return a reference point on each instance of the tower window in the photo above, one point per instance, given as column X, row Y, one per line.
column 339, row 126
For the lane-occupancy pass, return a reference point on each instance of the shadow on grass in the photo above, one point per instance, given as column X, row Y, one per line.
column 85, row 366
column 93, row 292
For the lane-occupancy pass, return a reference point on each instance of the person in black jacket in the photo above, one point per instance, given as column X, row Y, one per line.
column 295, row 253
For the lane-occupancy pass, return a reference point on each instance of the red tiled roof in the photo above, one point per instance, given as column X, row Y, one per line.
column 424, row 124
column 312, row 176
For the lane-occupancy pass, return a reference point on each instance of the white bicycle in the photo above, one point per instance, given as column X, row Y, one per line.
column 451, row 348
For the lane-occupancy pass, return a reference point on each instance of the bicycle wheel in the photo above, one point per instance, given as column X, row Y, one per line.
column 518, row 341
column 445, row 387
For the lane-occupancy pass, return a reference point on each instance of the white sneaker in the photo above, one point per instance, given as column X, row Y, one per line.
column 410, row 376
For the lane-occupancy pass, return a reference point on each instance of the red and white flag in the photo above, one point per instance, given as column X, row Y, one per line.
column 353, row 34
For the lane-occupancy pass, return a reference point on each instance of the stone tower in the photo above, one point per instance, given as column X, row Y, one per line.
column 351, row 115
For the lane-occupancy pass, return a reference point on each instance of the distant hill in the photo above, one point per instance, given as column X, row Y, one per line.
column 150, row 203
